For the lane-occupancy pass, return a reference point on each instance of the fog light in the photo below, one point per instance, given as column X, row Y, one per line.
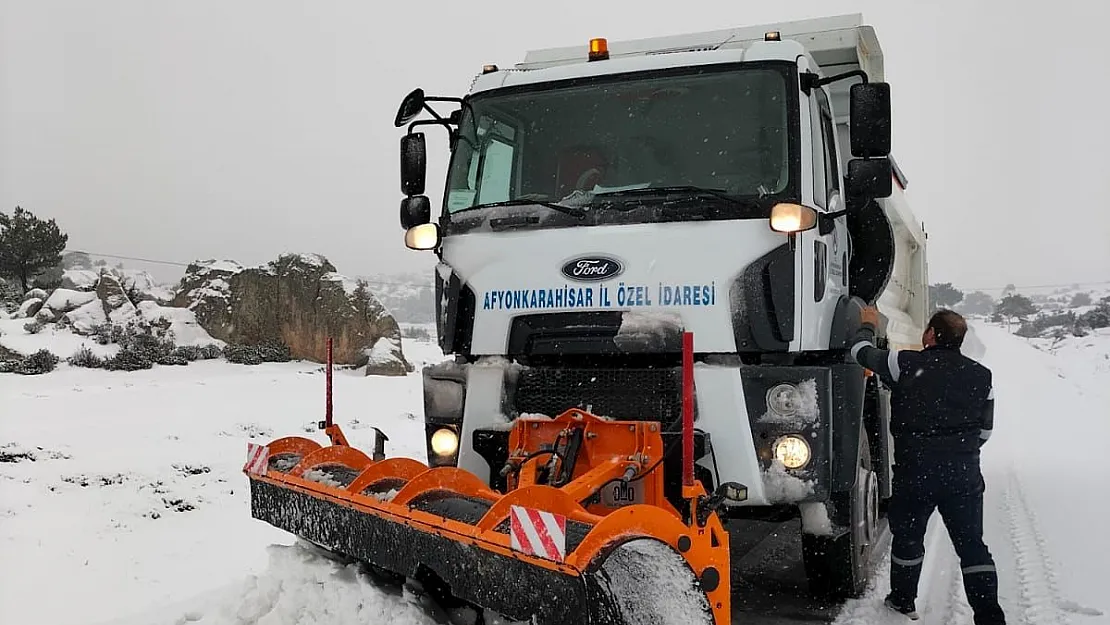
column 784, row 400
column 445, row 442
column 792, row 451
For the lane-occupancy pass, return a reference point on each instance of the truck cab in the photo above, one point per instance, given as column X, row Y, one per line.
column 603, row 199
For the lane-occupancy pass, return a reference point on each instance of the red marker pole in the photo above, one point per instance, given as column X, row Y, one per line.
column 687, row 409
column 327, row 407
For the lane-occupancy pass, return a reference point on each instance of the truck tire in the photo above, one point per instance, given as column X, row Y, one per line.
column 836, row 568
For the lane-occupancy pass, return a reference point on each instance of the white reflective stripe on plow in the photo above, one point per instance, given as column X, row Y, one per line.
column 258, row 458
column 537, row 533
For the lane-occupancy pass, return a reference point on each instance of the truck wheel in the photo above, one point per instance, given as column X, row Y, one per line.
column 837, row 567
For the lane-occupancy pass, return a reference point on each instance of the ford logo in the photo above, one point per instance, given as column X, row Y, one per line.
column 592, row 268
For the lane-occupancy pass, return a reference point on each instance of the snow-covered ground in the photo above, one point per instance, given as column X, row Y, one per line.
column 122, row 499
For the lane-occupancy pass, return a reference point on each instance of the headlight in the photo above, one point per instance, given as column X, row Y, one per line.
column 422, row 237
column 784, row 400
column 445, row 442
column 792, row 218
column 792, row 451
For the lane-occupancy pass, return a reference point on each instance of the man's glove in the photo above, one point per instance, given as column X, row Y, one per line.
column 869, row 317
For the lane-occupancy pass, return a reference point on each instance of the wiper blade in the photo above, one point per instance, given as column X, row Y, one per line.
column 673, row 198
column 566, row 210
column 689, row 190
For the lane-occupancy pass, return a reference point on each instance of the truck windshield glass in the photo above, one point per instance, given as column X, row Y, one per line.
column 720, row 130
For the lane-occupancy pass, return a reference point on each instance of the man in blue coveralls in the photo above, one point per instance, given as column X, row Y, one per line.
column 942, row 411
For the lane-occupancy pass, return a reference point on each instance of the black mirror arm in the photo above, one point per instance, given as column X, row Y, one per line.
column 810, row 80
column 825, row 220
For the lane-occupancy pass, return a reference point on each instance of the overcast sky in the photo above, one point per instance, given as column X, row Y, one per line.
column 243, row 128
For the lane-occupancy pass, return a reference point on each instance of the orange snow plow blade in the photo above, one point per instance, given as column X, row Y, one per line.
column 556, row 545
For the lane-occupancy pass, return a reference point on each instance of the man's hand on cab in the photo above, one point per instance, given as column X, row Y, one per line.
column 869, row 316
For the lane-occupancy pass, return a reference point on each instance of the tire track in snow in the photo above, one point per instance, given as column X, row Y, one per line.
column 1039, row 596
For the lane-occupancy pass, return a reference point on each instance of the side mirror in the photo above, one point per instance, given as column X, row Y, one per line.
column 870, row 178
column 415, row 210
column 423, row 237
column 870, row 119
column 414, row 163
column 410, row 107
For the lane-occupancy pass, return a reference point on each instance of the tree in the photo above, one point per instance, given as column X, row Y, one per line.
column 29, row 245
column 977, row 303
column 1015, row 306
column 76, row 260
column 944, row 295
column 1081, row 299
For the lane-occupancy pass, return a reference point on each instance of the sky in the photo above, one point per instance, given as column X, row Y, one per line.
column 213, row 129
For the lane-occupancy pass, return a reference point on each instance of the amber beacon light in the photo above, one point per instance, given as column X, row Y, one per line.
column 599, row 49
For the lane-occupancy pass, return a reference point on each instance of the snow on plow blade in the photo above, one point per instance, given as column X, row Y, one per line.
column 549, row 547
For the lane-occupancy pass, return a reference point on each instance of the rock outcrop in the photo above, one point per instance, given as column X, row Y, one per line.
column 298, row 300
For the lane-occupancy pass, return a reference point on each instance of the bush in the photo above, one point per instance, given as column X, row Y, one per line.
column 34, row 327
column 257, row 354
column 416, row 333
column 142, row 344
column 1097, row 318
column 85, row 358
column 37, row 363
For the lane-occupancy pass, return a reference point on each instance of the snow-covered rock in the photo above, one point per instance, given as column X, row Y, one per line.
column 85, row 318
column 298, row 300
column 80, row 279
column 183, row 324
column 62, row 301
column 30, row 307
column 35, row 294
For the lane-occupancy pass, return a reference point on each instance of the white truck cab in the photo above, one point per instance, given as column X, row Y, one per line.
column 602, row 199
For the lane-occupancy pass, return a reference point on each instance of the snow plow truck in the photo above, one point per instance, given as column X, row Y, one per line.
column 652, row 257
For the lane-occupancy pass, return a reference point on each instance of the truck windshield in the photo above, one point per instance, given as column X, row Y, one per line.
column 721, row 131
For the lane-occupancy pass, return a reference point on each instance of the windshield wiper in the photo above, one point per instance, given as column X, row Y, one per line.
column 688, row 192
column 566, row 210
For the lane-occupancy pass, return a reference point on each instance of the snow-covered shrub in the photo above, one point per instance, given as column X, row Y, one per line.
column 85, row 357
column 34, row 327
column 257, row 354
column 211, row 352
column 1097, row 318
column 37, row 363
column 142, row 344
column 188, row 353
column 416, row 333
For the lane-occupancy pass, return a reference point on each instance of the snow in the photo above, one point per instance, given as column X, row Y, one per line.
column 781, row 487
column 87, row 317
column 382, row 353
column 299, row 585
column 224, row 266
column 137, row 500
column 647, row 329
column 124, row 494
column 349, row 285
column 653, row 584
column 81, row 278
column 806, row 410
column 61, row 342
column 183, row 324
column 65, row 300
column 26, row 306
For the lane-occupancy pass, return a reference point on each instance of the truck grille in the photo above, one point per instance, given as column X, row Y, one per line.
column 624, row 394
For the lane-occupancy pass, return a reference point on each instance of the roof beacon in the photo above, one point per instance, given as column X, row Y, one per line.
column 599, row 49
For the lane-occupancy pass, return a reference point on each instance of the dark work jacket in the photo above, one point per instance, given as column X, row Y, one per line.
column 941, row 405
